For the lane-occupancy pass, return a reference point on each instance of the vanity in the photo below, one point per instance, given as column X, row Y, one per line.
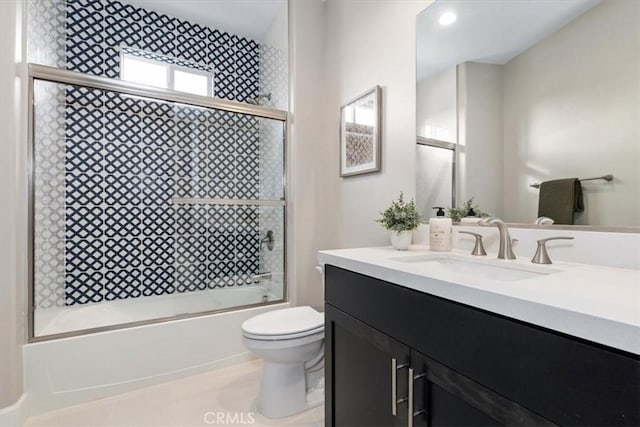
column 416, row 338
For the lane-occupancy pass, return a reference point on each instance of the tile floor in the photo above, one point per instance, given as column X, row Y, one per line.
column 225, row 396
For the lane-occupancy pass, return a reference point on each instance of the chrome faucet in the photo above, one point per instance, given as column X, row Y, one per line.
column 506, row 249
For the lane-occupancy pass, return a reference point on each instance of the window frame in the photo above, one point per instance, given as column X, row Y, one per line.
column 170, row 70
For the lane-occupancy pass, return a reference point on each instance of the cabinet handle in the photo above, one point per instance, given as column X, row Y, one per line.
column 410, row 413
column 394, row 385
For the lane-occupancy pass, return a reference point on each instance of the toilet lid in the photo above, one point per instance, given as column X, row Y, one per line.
column 287, row 321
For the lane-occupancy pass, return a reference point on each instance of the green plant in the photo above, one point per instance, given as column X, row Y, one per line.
column 467, row 209
column 400, row 215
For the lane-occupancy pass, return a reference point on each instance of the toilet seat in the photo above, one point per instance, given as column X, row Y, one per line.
column 283, row 337
column 285, row 324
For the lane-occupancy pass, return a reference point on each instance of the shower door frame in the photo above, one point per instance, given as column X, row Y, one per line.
column 60, row 76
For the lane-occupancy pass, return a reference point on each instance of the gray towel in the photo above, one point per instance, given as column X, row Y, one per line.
column 559, row 199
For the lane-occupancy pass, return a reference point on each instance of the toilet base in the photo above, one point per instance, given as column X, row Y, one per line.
column 283, row 390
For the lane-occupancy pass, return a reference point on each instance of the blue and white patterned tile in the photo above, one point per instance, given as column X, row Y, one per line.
column 84, row 123
column 191, row 277
column 221, row 247
column 222, row 138
column 191, row 48
column 220, row 274
column 157, row 190
column 247, row 63
column 220, row 118
column 83, row 255
column 247, row 219
column 224, row 85
column 84, row 23
column 122, row 190
column 118, row 102
column 191, row 135
column 123, row 127
column 248, row 141
column 122, row 159
column 247, row 169
column 159, row 251
column 92, row 5
column 123, row 11
column 83, row 157
column 160, row 40
column 84, row 57
column 158, row 161
column 192, row 220
column 247, row 245
column 220, row 38
column 122, row 284
column 221, row 189
column 161, row 110
column 158, row 220
column 222, row 219
column 83, row 222
column 158, row 280
column 111, row 63
column 158, row 131
column 122, row 253
column 83, row 288
column 220, row 166
column 83, row 189
column 122, row 221
column 122, row 31
column 159, row 21
column 245, row 88
column 79, row 96
column 247, row 189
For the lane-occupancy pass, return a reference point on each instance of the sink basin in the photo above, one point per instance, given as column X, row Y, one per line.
column 478, row 269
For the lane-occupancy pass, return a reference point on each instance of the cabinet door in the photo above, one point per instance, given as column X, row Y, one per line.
column 442, row 397
column 366, row 374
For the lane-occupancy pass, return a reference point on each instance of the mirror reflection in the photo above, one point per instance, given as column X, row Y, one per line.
column 531, row 92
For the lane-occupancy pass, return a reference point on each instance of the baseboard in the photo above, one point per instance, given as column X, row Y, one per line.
column 16, row 414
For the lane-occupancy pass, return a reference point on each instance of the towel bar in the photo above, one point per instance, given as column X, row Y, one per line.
column 605, row 177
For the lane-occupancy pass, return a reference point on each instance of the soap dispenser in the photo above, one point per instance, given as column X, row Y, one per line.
column 440, row 231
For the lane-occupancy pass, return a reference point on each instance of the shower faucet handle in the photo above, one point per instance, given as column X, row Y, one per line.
column 542, row 256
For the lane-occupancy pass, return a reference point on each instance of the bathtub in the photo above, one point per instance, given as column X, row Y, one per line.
column 59, row 320
column 67, row 371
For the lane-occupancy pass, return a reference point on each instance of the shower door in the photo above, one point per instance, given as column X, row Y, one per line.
column 150, row 204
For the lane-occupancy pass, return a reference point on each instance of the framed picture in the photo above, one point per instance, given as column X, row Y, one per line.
column 360, row 134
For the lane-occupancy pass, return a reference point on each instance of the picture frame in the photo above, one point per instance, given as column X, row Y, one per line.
column 360, row 134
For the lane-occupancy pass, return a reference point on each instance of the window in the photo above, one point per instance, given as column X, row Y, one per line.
column 158, row 73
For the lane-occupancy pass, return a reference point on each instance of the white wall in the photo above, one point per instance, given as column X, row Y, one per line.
column 371, row 43
column 12, row 224
column 436, row 107
column 572, row 110
column 312, row 207
column 480, row 136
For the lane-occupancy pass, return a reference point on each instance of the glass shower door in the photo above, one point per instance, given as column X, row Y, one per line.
column 145, row 208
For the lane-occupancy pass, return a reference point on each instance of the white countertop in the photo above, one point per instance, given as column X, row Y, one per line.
column 599, row 304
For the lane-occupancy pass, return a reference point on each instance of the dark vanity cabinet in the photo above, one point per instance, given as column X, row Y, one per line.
column 398, row 357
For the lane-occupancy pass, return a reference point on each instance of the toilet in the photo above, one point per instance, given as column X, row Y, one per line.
column 290, row 342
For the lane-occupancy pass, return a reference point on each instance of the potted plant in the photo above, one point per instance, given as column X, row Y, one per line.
column 400, row 218
column 468, row 209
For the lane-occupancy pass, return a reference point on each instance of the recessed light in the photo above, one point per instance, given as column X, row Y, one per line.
column 447, row 18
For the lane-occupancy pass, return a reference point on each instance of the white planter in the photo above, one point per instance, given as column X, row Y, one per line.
column 401, row 240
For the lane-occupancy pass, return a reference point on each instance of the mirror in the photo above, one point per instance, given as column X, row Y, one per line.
column 530, row 91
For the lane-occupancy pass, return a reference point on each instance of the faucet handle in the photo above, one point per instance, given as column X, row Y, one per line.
column 478, row 249
column 542, row 256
